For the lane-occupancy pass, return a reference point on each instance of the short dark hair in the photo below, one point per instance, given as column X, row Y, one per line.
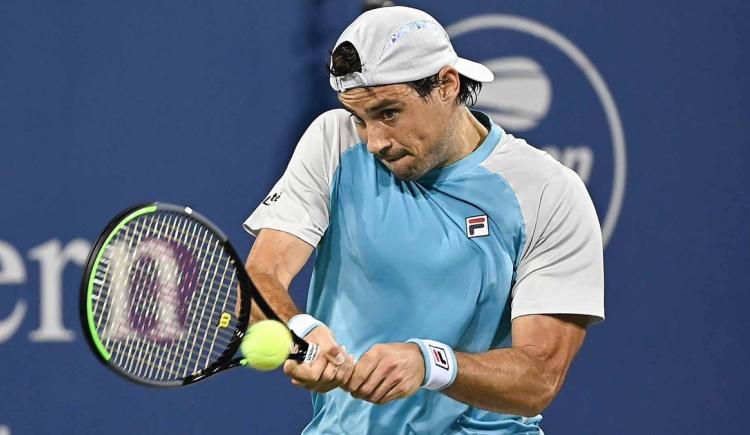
column 345, row 60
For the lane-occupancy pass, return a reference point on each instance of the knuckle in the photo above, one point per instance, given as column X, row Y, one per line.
column 319, row 364
column 312, row 377
column 299, row 373
column 289, row 366
column 357, row 377
column 390, row 366
column 346, row 377
column 296, row 375
column 301, row 380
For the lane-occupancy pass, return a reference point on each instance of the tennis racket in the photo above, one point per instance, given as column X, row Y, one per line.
column 165, row 299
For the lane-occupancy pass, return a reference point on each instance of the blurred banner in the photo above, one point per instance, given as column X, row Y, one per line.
column 104, row 104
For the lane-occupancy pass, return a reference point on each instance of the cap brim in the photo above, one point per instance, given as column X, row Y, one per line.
column 474, row 70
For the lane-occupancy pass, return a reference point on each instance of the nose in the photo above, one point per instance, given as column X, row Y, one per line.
column 378, row 144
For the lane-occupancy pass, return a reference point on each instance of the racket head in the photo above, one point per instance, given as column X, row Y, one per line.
column 165, row 299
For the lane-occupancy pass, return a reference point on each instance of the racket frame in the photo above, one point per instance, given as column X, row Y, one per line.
column 248, row 293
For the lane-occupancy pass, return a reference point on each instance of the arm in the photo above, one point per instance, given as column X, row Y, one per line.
column 275, row 259
column 520, row 380
column 525, row 378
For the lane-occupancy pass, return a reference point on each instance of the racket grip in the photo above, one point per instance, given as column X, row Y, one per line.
column 304, row 352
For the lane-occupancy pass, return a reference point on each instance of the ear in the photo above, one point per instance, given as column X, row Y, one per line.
column 449, row 83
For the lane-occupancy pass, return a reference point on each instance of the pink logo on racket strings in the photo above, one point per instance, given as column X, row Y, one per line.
column 151, row 289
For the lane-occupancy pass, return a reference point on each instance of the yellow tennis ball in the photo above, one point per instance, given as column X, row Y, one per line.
column 266, row 345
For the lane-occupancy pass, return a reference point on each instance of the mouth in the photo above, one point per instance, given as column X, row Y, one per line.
column 394, row 159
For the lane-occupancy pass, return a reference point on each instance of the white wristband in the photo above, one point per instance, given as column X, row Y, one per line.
column 440, row 366
column 302, row 324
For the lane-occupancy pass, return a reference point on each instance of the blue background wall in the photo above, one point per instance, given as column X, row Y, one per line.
column 104, row 104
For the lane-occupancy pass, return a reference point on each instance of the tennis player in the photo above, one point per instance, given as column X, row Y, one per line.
column 457, row 267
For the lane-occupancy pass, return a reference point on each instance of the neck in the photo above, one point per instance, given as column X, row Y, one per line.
column 468, row 133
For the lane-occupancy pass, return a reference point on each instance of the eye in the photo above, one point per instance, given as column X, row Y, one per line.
column 357, row 120
column 388, row 114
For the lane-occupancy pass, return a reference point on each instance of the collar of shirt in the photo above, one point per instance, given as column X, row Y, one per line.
column 473, row 159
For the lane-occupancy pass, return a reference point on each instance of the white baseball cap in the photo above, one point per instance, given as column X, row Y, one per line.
column 399, row 44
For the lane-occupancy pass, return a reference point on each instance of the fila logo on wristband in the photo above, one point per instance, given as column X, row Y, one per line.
column 476, row 226
column 439, row 364
column 439, row 356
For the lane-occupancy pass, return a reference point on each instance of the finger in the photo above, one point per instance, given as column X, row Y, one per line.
column 297, row 381
column 304, row 373
column 397, row 392
column 336, row 355
column 372, row 382
column 345, row 371
column 307, row 386
column 314, row 370
column 385, row 387
column 289, row 367
column 362, row 370
column 342, row 374
column 322, row 388
column 329, row 373
column 326, row 381
column 303, row 379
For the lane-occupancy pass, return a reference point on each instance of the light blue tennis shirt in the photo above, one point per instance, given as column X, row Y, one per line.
column 454, row 257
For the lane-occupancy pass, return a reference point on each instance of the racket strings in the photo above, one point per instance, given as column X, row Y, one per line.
column 187, row 352
column 160, row 291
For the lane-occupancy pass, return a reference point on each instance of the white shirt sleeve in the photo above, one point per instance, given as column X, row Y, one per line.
column 299, row 202
column 561, row 270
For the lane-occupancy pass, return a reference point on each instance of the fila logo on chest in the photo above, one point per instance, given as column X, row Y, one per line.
column 477, row 226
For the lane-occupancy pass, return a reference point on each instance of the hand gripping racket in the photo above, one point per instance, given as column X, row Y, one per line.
column 165, row 299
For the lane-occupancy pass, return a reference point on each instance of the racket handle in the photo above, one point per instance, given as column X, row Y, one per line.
column 304, row 352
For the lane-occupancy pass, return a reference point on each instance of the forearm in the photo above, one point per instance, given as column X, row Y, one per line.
column 523, row 379
column 275, row 293
column 275, row 259
column 509, row 380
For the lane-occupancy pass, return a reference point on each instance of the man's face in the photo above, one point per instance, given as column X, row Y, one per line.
column 407, row 132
